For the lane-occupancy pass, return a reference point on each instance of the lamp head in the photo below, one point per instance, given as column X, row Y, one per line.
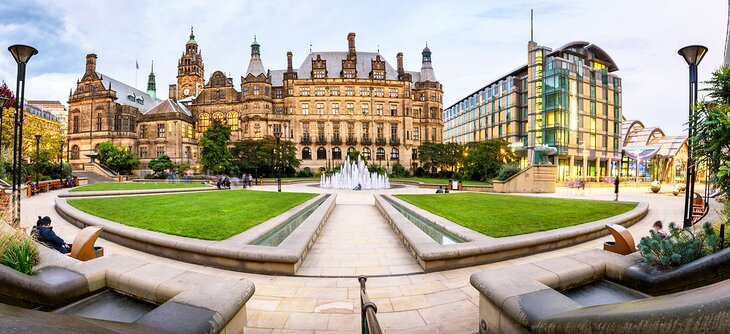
column 277, row 131
column 38, row 136
column 693, row 54
column 22, row 53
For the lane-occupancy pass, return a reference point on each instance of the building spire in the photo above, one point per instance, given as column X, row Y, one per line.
column 255, row 66
column 532, row 31
column 151, row 86
column 192, row 37
column 255, row 47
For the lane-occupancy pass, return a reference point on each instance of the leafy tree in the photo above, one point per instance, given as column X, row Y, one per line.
column 250, row 154
column 430, row 155
column 484, row 159
column 353, row 155
column 398, row 170
column 161, row 163
column 118, row 159
column 7, row 93
column 215, row 155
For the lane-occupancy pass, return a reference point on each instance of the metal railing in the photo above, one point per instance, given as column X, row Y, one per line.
column 369, row 319
column 306, row 140
column 394, row 141
column 366, row 140
column 351, row 140
column 380, row 141
column 336, row 140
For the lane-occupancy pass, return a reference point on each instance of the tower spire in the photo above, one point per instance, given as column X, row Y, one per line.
column 151, row 85
column 532, row 39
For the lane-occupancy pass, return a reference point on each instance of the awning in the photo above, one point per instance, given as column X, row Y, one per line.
column 641, row 152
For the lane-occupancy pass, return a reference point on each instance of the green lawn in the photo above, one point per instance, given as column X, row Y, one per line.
column 214, row 215
column 138, row 186
column 502, row 215
column 433, row 180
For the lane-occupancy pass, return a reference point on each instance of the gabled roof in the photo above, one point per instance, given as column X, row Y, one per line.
column 334, row 64
column 129, row 96
column 169, row 106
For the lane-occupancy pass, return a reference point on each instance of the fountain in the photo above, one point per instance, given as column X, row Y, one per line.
column 544, row 151
column 351, row 174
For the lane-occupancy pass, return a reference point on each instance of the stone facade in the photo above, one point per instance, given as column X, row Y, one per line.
column 333, row 103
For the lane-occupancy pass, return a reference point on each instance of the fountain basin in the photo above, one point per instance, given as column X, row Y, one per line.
column 279, row 233
column 109, row 305
column 602, row 292
column 435, row 232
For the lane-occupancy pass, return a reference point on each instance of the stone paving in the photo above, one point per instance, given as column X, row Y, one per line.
column 440, row 302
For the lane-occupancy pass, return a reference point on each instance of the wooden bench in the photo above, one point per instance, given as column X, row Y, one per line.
column 83, row 248
column 698, row 208
column 624, row 241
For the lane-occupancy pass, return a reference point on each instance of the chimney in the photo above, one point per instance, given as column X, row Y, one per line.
column 351, row 43
column 289, row 67
column 400, row 62
column 172, row 93
column 91, row 64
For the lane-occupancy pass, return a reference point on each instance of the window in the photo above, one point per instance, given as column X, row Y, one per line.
column 364, row 91
column 393, row 92
column 143, row 152
column 125, row 123
column 117, row 122
column 321, row 153
column 233, row 120
column 350, row 108
column 320, row 108
column 305, row 108
column 143, row 131
column 433, row 134
column 161, row 130
column 160, row 151
column 416, row 135
column 306, row 153
column 349, row 91
column 379, row 109
column 379, row 130
column 98, row 122
column 380, row 154
column 75, row 124
column 335, row 91
column 366, row 153
column 336, row 153
column 256, row 90
column 304, row 91
column 75, row 148
column 279, row 94
column 218, row 117
column 245, row 91
column 393, row 131
column 394, row 154
column 379, row 91
column 204, row 122
column 335, row 108
column 365, row 108
column 319, row 91
column 393, row 110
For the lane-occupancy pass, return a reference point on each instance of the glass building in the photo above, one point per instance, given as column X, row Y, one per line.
column 568, row 98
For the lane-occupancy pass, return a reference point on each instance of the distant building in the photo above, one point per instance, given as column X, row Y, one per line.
column 568, row 98
column 652, row 155
column 56, row 108
column 47, row 121
column 333, row 103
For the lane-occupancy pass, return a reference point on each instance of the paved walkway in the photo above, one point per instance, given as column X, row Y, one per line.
column 357, row 240
column 441, row 302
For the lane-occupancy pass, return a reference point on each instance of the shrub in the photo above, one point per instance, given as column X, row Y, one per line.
column 420, row 172
column 680, row 246
column 398, row 170
column 507, row 171
column 18, row 252
column 373, row 168
column 305, row 172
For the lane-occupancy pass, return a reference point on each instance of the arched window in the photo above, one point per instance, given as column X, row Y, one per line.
column 321, row 153
column 233, row 120
column 75, row 152
column 350, row 150
column 337, row 153
column 394, row 154
column 366, row 153
column 306, row 154
column 204, row 122
column 218, row 116
column 380, row 154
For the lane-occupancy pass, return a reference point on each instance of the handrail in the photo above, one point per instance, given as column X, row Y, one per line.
column 368, row 317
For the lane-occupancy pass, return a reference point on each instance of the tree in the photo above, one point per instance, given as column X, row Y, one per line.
column 430, row 156
column 250, row 154
column 711, row 124
column 160, row 164
column 483, row 159
column 118, row 159
column 215, row 156
column 7, row 93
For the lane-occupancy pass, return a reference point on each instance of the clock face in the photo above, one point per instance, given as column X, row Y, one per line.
column 186, row 92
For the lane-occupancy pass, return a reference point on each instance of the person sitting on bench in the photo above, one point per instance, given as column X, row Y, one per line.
column 44, row 232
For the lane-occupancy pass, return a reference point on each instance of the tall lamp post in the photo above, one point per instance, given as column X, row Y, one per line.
column 3, row 101
column 693, row 56
column 60, row 152
column 21, row 54
column 37, row 155
column 277, row 134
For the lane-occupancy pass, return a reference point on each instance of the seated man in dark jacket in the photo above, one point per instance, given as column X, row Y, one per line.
column 45, row 234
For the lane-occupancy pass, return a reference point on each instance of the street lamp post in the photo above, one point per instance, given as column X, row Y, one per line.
column 693, row 56
column 21, row 54
column 277, row 134
column 60, row 153
column 37, row 155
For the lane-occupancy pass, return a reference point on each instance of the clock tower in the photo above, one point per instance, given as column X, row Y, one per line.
column 190, row 70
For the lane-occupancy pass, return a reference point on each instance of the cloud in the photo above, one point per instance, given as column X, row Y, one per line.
column 473, row 42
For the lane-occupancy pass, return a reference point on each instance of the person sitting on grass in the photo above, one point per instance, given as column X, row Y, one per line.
column 440, row 190
column 44, row 234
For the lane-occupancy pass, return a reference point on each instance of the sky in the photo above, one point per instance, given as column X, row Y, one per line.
column 473, row 42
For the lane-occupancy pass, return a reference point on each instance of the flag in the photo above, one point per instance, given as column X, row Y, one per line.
column 136, row 64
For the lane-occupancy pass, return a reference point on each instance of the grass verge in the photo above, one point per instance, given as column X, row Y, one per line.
column 104, row 186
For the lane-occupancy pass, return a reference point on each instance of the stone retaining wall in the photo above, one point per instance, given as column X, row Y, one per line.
column 234, row 253
column 479, row 248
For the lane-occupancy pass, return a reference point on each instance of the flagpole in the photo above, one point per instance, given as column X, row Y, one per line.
column 136, row 69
